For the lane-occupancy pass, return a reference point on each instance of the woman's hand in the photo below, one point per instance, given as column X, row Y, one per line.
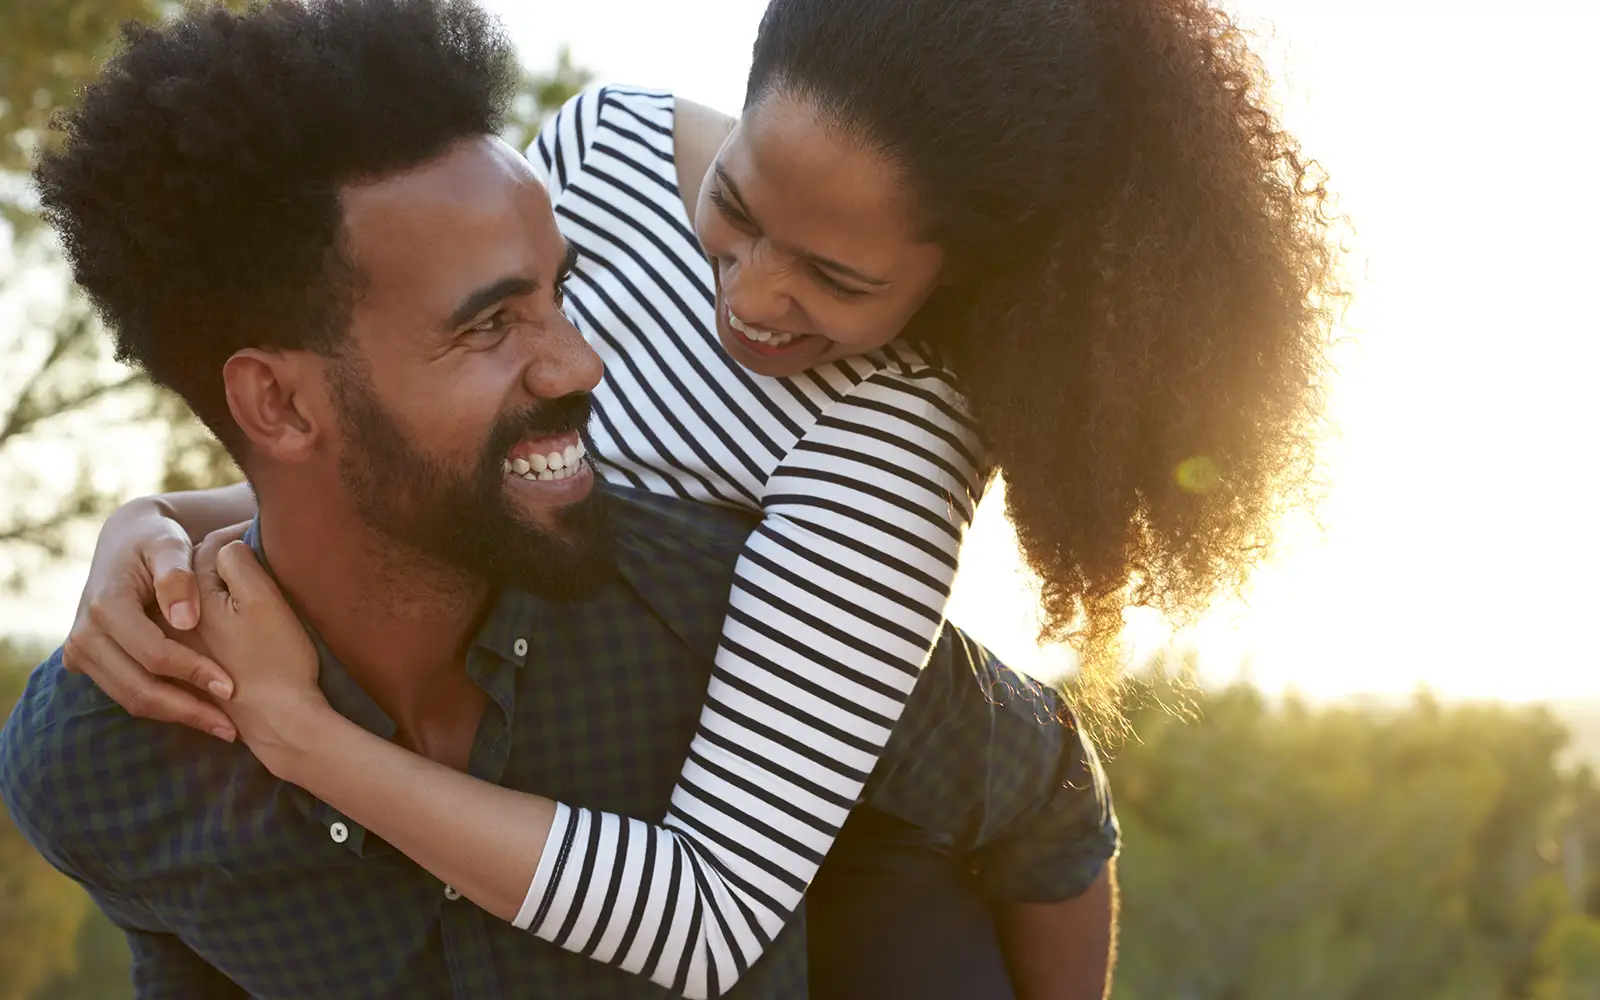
column 248, row 625
column 142, row 561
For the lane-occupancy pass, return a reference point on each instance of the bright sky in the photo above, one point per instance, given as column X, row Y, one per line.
column 1461, row 137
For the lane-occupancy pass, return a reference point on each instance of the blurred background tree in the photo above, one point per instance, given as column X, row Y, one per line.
column 47, row 51
column 1283, row 851
column 56, row 369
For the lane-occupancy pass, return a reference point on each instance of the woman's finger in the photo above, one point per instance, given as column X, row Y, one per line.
column 232, row 533
column 212, row 587
column 177, row 594
column 126, row 628
column 242, row 574
column 145, row 695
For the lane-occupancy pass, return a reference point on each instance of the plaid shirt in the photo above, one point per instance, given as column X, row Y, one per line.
column 231, row 883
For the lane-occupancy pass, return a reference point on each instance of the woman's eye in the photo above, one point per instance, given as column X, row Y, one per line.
column 726, row 208
column 832, row 285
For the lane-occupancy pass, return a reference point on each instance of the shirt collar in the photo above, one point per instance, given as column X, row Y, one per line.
column 504, row 633
column 678, row 556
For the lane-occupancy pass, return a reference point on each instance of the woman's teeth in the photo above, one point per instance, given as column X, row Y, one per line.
column 563, row 464
column 759, row 335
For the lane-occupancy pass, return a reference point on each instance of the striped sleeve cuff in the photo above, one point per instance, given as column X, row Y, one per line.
column 568, row 824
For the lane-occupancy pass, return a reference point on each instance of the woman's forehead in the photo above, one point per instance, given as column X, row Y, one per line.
column 806, row 181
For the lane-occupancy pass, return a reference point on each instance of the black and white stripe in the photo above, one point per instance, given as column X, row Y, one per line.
column 865, row 472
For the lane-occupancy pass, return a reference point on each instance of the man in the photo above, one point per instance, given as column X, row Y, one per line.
column 300, row 221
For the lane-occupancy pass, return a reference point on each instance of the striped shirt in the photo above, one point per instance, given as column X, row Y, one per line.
column 865, row 473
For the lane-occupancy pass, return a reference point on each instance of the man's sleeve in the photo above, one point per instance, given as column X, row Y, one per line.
column 996, row 765
column 164, row 968
column 38, row 797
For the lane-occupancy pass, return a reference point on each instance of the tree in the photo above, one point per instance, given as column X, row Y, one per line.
column 1332, row 854
column 65, row 378
column 47, row 51
column 542, row 94
column 57, row 370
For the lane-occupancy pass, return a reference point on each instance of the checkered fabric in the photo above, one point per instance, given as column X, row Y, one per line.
column 231, row 883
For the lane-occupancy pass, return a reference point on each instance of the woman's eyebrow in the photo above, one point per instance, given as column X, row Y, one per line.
column 826, row 263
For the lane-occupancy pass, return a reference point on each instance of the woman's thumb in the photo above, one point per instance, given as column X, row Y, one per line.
column 177, row 592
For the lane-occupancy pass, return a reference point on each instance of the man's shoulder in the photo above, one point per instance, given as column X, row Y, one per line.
column 77, row 772
column 57, row 712
column 652, row 521
column 678, row 556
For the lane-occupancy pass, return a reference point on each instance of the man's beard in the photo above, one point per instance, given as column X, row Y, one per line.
column 467, row 522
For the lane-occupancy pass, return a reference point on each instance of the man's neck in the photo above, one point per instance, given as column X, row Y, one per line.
column 400, row 624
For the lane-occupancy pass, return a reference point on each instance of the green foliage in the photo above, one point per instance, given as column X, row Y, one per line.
column 101, row 970
column 1283, row 851
column 47, row 51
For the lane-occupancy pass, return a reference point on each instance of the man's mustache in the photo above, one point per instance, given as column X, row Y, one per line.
column 558, row 416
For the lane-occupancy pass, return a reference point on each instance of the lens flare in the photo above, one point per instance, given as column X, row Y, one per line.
column 1197, row 474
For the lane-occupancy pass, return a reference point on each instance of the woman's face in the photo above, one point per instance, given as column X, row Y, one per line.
column 813, row 240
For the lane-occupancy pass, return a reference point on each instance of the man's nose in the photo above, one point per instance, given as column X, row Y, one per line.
column 567, row 366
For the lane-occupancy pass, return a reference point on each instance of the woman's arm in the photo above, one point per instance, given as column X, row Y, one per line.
column 838, row 597
column 143, row 557
column 480, row 838
column 698, row 133
column 201, row 512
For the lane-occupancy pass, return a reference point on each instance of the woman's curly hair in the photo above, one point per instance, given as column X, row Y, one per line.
column 1142, row 284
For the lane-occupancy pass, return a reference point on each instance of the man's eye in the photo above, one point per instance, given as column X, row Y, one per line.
column 493, row 324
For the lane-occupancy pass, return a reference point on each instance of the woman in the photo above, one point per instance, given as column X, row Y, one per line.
column 1077, row 217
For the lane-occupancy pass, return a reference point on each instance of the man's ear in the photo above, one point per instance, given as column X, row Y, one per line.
column 278, row 400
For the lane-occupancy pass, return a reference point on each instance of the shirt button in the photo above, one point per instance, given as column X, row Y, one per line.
column 520, row 647
column 339, row 832
column 451, row 894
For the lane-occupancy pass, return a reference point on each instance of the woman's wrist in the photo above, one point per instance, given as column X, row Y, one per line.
column 297, row 738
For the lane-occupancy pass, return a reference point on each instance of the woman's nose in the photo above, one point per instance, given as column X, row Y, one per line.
column 754, row 291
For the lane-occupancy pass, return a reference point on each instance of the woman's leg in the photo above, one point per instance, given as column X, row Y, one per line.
column 892, row 915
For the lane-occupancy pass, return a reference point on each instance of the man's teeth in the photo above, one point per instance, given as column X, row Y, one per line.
column 563, row 464
column 759, row 335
